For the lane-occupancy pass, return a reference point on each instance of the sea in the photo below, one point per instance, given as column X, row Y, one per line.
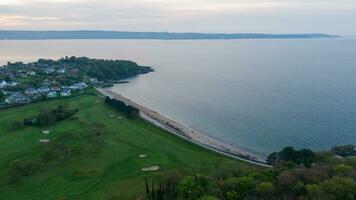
column 259, row 95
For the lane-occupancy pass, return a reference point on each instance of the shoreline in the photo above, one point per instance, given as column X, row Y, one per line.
column 185, row 132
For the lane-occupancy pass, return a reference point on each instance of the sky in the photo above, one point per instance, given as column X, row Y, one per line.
column 210, row 16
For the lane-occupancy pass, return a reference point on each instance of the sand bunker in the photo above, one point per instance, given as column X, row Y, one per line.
column 112, row 115
column 97, row 101
column 46, row 132
column 142, row 156
column 119, row 117
column 152, row 168
column 44, row 140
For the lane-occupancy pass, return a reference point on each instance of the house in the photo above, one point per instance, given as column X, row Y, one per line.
column 55, row 89
column 43, row 89
column 93, row 80
column 31, row 73
column 61, row 70
column 16, row 98
column 78, row 86
column 49, row 70
column 66, row 92
column 4, row 84
column 12, row 83
column 31, row 91
column 45, row 82
column 52, row 94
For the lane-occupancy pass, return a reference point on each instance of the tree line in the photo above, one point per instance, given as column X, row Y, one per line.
column 49, row 116
column 129, row 111
column 297, row 175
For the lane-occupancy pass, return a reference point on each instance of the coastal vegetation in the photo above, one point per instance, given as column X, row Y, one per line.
column 102, row 69
column 297, row 174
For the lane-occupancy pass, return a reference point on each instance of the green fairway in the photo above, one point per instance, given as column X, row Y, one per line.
column 99, row 166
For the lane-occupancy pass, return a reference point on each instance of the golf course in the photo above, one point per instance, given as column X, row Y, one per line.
column 98, row 153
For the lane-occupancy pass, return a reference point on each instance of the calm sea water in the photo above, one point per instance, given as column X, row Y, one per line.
column 259, row 95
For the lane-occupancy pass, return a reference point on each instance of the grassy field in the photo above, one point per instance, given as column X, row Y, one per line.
column 105, row 169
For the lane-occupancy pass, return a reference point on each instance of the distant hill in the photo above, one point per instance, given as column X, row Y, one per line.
column 43, row 35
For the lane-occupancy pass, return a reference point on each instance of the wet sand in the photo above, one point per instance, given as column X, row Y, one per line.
column 185, row 132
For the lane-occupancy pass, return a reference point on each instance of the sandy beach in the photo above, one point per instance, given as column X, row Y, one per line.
column 186, row 133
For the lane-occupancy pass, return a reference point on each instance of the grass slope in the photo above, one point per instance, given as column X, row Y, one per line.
column 110, row 170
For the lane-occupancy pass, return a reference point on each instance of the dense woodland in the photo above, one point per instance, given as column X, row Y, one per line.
column 103, row 69
column 297, row 175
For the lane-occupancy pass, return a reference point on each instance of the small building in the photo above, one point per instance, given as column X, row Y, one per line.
column 31, row 91
column 43, row 89
column 49, row 70
column 61, row 70
column 31, row 73
column 52, row 94
column 4, row 84
column 56, row 89
column 66, row 92
column 78, row 86
column 17, row 98
column 93, row 80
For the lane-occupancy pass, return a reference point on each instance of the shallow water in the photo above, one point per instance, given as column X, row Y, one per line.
column 259, row 95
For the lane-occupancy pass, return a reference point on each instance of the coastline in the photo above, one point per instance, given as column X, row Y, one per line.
column 184, row 132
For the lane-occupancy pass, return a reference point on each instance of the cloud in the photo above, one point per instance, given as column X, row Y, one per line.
column 182, row 15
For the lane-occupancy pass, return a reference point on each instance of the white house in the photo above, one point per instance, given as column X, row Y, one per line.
column 49, row 70
column 61, row 70
column 52, row 94
column 93, row 80
column 43, row 89
column 78, row 86
column 31, row 73
column 16, row 98
column 4, row 83
column 31, row 91
column 66, row 92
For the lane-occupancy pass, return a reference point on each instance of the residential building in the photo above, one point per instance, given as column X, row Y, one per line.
column 43, row 89
column 31, row 91
column 66, row 92
column 78, row 86
column 17, row 98
column 52, row 94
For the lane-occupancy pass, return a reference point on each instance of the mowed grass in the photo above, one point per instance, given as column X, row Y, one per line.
column 110, row 170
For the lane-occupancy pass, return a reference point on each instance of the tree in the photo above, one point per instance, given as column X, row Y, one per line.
column 340, row 188
column 272, row 158
column 315, row 192
column 265, row 190
column 193, row 187
column 305, row 157
column 2, row 96
column 208, row 198
column 242, row 186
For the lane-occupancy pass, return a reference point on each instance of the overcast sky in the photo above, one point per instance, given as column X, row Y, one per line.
column 229, row 16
